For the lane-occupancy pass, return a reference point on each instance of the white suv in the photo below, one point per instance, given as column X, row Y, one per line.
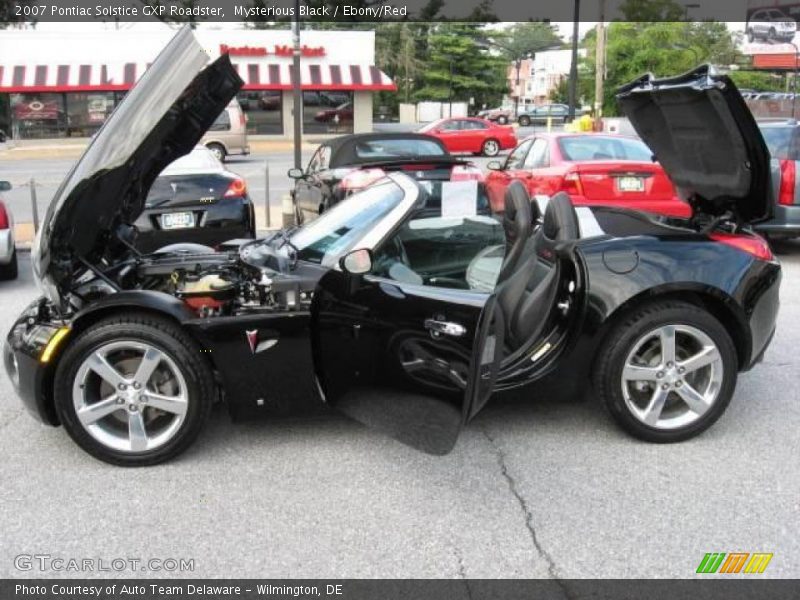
column 771, row 25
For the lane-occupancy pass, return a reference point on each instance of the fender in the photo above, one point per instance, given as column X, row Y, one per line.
column 150, row 300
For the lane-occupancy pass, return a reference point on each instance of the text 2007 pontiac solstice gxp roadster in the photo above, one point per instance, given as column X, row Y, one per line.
column 404, row 306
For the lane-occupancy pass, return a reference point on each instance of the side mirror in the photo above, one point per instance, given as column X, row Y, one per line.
column 296, row 173
column 495, row 165
column 356, row 262
column 5, row 186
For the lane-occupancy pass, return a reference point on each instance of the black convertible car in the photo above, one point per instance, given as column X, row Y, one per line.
column 355, row 311
column 347, row 164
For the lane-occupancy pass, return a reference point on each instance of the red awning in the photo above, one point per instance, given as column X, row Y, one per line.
column 257, row 76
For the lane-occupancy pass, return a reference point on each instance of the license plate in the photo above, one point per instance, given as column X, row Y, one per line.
column 630, row 184
column 181, row 220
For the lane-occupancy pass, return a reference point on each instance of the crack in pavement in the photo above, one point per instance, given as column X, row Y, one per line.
column 552, row 570
column 462, row 571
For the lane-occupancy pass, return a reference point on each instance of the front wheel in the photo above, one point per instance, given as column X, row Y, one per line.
column 490, row 148
column 502, row 120
column 133, row 390
column 668, row 372
column 218, row 150
column 524, row 121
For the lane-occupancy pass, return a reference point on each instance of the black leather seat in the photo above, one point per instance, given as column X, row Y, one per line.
column 518, row 220
column 529, row 294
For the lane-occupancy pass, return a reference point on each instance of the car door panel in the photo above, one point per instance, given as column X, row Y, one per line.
column 412, row 361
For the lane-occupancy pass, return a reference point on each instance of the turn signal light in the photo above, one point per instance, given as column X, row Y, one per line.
column 3, row 217
column 237, row 188
column 52, row 344
column 753, row 245
column 572, row 184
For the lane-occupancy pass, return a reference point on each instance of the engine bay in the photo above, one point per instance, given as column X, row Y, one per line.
column 242, row 277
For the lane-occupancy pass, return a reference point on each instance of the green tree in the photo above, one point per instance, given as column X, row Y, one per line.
column 662, row 48
column 459, row 66
column 525, row 38
column 652, row 10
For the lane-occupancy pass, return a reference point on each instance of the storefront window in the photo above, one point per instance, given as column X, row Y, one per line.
column 5, row 117
column 38, row 115
column 327, row 112
column 263, row 110
column 86, row 112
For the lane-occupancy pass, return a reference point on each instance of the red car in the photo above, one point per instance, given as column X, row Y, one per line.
column 473, row 135
column 344, row 114
column 594, row 169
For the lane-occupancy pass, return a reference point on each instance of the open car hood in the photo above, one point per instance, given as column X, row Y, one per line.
column 701, row 131
column 161, row 118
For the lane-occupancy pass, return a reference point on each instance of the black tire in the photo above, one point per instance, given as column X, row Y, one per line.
column 490, row 147
column 502, row 120
column 524, row 121
column 11, row 270
column 620, row 342
column 750, row 35
column 218, row 150
column 167, row 337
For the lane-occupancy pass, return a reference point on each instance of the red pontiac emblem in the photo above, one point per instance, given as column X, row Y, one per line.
column 252, row 339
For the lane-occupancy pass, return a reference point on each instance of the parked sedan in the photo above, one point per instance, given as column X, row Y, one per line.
column 594, row 169
column 195, row 200
column 472, row 135
column 341, row 114
column 352, row 311
column 349, row 163
column 8, row 250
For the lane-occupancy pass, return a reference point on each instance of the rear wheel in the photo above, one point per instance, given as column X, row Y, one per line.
column 667, row 372
column 133, row 390
column 218, row 150
column 524, row 121
column 502, row 119
column 490, row 148
column 11, row 270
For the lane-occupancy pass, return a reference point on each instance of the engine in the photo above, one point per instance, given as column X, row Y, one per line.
column 250, row 279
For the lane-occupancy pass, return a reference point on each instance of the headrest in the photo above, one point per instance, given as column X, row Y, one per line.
column 518, row 218
column 560, row 219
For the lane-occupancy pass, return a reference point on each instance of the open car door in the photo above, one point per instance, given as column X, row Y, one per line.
column 413, row 361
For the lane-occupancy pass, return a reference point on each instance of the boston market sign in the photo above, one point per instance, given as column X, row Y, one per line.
column 277, row 50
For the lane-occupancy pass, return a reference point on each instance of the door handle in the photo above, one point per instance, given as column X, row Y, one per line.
column 445, row 328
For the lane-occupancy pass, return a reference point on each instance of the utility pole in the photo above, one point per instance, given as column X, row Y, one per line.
column 573, row 70
column 296, row 91
column 600, row 63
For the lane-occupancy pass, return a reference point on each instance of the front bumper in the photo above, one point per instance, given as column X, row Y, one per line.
column 22, row 351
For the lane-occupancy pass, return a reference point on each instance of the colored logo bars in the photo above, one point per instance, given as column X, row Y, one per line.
column 734, row 562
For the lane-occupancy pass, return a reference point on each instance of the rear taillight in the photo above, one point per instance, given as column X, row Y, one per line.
column 360, row 178
column 3, row 217
column 572, row 184
column 752, row 244
column 237, row 188
column 242, row 119
column 788, row 177
column 466, row 173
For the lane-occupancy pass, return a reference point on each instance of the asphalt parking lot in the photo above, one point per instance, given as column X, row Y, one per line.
column 535, row 488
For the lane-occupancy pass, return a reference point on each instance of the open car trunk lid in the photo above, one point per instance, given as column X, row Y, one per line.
column 160, row 119
column 707, row 141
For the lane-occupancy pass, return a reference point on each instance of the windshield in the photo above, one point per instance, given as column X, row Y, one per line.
column 590, row 147
column 337, row 231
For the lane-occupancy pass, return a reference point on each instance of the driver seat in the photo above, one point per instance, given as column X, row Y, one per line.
column 528, row 296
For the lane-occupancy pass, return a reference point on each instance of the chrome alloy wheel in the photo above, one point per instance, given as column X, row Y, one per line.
column 491, row 148
column 672, row 376
column 130, row 396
